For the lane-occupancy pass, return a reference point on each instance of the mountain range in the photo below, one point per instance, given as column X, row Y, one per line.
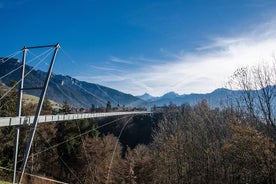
column 217, row 98
column 83, row 94
column 65, row 88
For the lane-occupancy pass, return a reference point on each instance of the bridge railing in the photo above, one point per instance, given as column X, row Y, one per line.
column 23, row 120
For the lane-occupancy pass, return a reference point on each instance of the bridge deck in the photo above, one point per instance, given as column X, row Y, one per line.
column 12, row 121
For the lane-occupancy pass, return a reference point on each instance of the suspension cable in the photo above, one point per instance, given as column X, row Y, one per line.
column 67, row 55
column 77, row 136
column 10, row 72
column 32, row 175
column 59, row 157
column 101, row 100
column 3, row 60
column 84, row 149
column 37, row 57
column 114, row 150
column 104, row 92
column 5, row 94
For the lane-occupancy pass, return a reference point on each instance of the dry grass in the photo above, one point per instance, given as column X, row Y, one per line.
column 4, row 182
column 30, row 99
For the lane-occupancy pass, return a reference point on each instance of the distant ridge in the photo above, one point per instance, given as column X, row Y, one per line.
column 65, row 88
column 83, row 94
column 217, row 98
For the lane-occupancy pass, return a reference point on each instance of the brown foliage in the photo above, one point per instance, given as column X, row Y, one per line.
column 196, row 146
column 249, row 155
column 190, row 145
column 100, row 162
column 138, row 165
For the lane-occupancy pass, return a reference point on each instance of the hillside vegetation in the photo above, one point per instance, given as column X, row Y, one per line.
column 176, row 144
column 181, row 144
column 65, row 88
column 30, row 99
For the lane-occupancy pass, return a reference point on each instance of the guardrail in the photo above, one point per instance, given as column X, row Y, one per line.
column 13, row 121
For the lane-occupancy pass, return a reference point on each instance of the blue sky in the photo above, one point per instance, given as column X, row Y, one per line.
column 188, row 46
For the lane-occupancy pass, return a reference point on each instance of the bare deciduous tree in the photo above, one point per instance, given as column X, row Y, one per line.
column 257, row 85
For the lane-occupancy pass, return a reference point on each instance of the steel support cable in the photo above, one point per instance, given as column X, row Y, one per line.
column 10, row 72
column 71, row 170
column 104, row 92
column 67, row 55
column 80, row 135
column 47, row 53
column 85, row 152
column 27, row 63
column 59, row 157
column 115, row 147
column 101, row 100
column 3, row 60
column 37, row 113
column 97, row 98
column 36, row 176
column 5, row 94
column 58, row 86
column 40, row 55
column 16, row 85
column 68, row 58
column 68, row 140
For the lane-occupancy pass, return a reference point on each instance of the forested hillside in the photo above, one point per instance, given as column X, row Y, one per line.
column 176, row 144
column 180, row 144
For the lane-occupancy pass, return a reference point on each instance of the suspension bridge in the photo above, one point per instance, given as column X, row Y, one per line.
column 33, row 121
column 27, row 120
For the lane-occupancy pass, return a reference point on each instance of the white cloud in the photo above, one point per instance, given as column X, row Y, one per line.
column 201, row 71
column 119, row 60
column 104, row 68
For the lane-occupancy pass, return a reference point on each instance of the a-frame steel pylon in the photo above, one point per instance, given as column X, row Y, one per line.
column 38, row 110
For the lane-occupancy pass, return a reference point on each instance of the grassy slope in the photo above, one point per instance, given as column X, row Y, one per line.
column 4, row 182
column 30, row 99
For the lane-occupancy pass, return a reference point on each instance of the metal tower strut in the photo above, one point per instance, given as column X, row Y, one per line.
column 18, row 113
column 38, row 110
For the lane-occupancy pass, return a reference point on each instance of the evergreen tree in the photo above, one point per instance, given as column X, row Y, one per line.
column 108, row 107
column 66, row 107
